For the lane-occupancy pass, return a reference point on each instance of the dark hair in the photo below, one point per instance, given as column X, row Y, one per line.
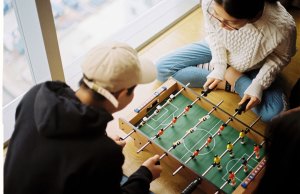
column 243, row 9
column 282, row 153
column 96, row 95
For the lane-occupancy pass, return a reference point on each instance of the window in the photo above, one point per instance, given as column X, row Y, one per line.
column 17, row 77
column 57, row 33
column 80, row 24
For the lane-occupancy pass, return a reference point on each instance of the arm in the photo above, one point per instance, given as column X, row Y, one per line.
column 218, row 51
column 273, row 65
column 139, row 182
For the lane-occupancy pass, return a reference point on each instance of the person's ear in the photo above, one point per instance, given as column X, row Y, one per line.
column 120, row 94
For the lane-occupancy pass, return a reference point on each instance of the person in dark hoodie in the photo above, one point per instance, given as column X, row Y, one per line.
column 59, row 144
column 282, row 152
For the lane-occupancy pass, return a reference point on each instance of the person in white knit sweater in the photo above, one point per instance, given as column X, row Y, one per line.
column 248, row 43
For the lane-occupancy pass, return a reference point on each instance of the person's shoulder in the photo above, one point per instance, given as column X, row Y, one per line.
column 278, row 16
column 47, row 84
column 205, row 3
column 33, row 90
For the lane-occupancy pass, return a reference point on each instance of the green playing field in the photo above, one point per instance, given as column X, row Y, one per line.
column 198, row 138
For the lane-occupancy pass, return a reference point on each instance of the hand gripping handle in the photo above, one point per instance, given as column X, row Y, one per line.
column 242, row 107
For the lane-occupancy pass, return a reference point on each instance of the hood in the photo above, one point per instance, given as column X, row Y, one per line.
column 59, row 113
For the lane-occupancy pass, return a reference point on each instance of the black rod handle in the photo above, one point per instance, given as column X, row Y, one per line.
column 192, row 186
column 242, row 107
column 207, row 91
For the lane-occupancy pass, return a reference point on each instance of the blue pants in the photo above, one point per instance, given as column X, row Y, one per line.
column 182, row 65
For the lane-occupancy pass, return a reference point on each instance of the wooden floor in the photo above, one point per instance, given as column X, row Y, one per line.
column 188, row 30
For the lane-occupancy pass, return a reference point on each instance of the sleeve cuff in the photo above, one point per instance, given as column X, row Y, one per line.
column 255, row 89
column 146, row 172
column 217, row 74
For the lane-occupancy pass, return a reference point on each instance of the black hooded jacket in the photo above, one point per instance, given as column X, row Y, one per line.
column 59, row 145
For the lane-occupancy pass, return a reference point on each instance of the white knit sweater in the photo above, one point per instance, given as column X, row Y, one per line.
column 267, row 44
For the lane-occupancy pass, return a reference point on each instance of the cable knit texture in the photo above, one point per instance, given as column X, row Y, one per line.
column 267, row 44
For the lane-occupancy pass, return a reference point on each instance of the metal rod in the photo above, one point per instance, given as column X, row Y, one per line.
column 131, row 132
column 141, row 149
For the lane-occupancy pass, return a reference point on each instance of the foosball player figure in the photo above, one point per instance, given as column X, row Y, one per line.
column 208, row 141
column 242, row 136
column 256, row 150
column 191, row 130
column 160, row 132
column 144, row 121
column 231, row 178
column 222, row 127
column 217, row 162
column 187, row 109
column 204, row 118
column 174, row 120
column 230, row 149
column 158, row 108
column 196, row 152
column 171, row 98
column 176, row 144
column 245, row 164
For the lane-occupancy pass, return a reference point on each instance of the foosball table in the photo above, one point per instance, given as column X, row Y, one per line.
column 210, row 147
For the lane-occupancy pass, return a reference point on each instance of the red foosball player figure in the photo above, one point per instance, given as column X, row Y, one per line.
column 160, row 132
column 187, row 109
column 217, row 162
column 230, row 149
column 208, row 141
column 245, row 164
column 231, row 178
column 222, row 127
column 174, row 120
column 256, row 151
column 195, row 153
column 242, row 136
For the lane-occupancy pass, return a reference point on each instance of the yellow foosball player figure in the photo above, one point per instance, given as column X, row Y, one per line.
column 242, row 136
column 230, row 149
column 217, row 162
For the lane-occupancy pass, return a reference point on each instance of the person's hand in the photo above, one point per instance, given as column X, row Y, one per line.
column 252, row 103
column 152, row 165
column 119, row 141
column 211, row 83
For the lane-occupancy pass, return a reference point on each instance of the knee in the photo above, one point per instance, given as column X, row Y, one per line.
column 270, row 110
column 267, row 117
column 164, row 71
